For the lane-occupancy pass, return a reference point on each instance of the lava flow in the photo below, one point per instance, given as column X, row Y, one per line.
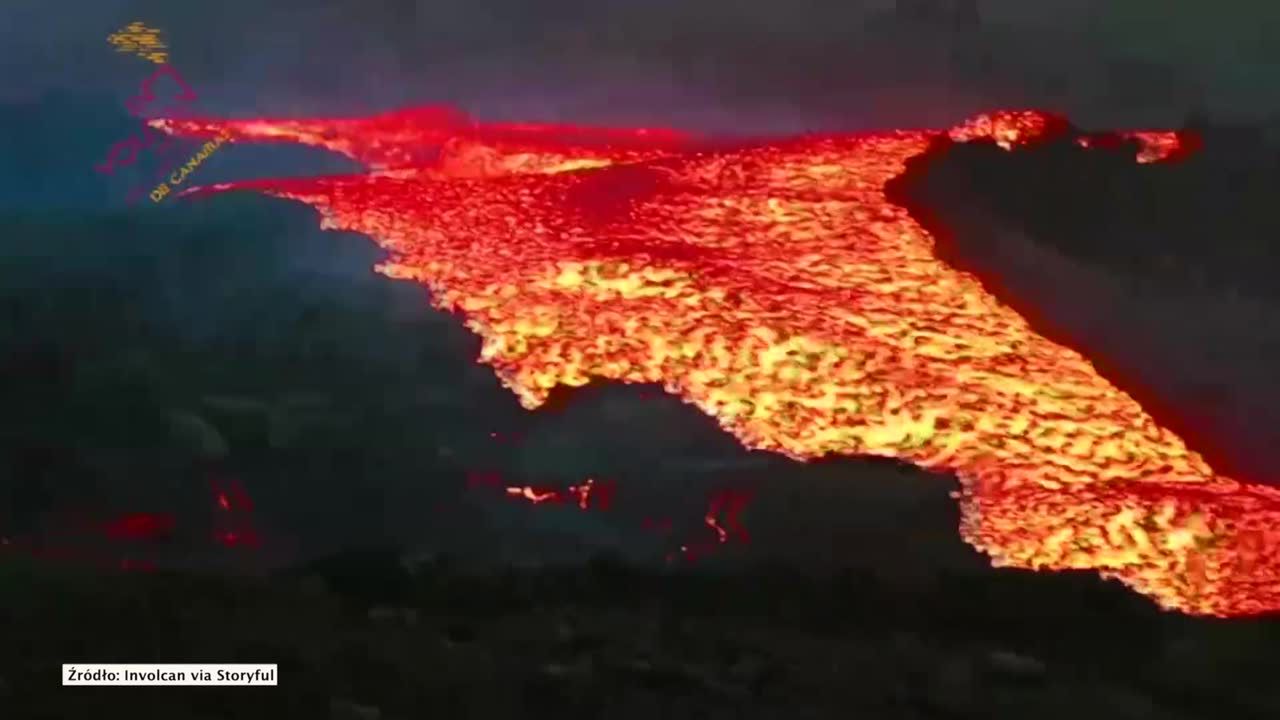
column 774, row 286
column 588, row 495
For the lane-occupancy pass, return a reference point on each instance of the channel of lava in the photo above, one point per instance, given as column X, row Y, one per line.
column 773, row 285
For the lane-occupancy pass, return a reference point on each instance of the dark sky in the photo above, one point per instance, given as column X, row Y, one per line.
column 726, row 64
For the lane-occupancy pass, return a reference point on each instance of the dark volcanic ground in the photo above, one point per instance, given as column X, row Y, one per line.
column 1165, row 274
column 361, row 637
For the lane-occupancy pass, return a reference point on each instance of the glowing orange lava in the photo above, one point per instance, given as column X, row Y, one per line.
column 588, row 495
column 723, row 515
column 775, row 287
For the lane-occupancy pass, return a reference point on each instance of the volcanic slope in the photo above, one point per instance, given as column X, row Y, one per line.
column 773, row 285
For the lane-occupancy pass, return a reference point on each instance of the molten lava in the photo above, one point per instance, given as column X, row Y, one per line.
column 590, row 495
column 724, row 515
column 774, row 286
column 233, row 521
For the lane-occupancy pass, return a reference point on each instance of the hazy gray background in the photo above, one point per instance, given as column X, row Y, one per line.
column 721, row 64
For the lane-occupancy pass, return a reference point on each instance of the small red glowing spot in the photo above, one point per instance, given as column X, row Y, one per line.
column 723, row 514
column 236, row 538
column 234, row 522
column 533, row 495
column 140, row 526
column 585, row 496
column 593, row 494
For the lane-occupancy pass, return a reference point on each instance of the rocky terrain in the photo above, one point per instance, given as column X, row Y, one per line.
column 367, row 635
